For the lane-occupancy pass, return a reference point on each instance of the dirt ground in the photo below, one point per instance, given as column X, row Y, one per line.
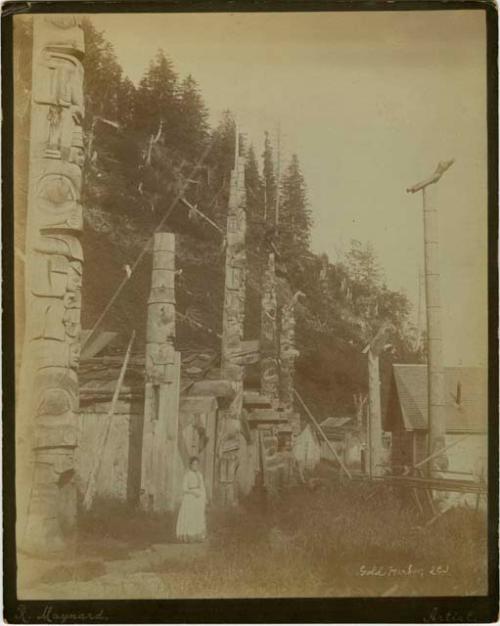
column 333, row 538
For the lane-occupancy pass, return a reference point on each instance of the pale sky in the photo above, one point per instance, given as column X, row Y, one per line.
column 370, row 102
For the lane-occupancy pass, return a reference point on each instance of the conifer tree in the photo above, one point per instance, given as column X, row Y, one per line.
column 111, row 152
column 192, row 129
column 295, row 221
column 254, row 188
column 156, row 99
column 221, row 162
column 103, row 76
column 269, row 179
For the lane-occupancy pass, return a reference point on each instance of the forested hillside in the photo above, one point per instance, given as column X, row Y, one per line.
column 143, row 144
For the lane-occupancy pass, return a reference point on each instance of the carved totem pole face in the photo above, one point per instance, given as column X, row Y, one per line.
column 54, row 268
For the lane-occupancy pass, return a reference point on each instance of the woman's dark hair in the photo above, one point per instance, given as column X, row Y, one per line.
column 193, row 459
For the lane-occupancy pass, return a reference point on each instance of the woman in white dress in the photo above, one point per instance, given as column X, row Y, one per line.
column 191, row 522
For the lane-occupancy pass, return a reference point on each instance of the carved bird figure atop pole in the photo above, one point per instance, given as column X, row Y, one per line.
column 441, row 168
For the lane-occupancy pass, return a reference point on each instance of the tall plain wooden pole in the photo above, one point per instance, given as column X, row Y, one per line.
column 375, row 414
column 435, row 370
column 161, row 404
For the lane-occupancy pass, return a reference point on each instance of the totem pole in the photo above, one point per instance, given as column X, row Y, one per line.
column 46, row 419
column 232, row 329
column 435, row 371
column 161, row 404
column 269, row 375
column 288, row 354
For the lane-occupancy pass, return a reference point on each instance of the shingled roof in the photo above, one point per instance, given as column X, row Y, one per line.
column 98, row 375
column 468, row 414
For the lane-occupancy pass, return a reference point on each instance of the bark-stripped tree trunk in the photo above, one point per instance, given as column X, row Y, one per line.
column 46, row 418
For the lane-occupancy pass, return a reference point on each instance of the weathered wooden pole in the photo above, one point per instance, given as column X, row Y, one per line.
column 288, row 353
column 375, row 446
column 435, row 371
column 232, row 327
column 375, row 414
column 46, row 430
column 161, row 405
column 269, row 374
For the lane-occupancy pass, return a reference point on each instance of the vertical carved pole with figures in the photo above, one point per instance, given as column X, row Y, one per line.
column 435, row 370
column 161, row 405
column 46, row 419
column 288, row 353
column 269, row 374
column 232, row 329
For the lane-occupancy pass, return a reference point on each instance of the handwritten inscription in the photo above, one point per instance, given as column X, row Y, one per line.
column 446, row 617
column 50, row 615
column 407, row 571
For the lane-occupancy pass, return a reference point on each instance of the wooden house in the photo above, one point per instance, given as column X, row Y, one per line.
column 261, row 444
column 119, row 476
column 466, row 418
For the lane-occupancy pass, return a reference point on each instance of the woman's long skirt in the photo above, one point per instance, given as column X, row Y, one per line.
column 191, row 522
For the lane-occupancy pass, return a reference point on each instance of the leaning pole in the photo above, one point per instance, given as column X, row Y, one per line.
column 46, row 427
column 435, row 371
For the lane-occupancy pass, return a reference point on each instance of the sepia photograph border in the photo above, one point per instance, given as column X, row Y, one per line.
column 471, row 609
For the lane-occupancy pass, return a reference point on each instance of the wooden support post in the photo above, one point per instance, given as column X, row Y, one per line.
column 374, row 414
column 435, row 371
column 373, row 351
column 46, row 429
column 161, row 405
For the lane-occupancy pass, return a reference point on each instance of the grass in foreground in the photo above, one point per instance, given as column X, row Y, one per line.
column 337, row 541
column 342, row 539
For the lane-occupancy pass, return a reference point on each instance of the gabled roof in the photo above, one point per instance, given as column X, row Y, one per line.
column 469, row 415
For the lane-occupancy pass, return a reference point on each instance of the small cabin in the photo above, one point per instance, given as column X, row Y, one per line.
column 466, row 419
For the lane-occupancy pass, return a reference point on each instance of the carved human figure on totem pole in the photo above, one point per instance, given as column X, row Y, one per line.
column 53, row 286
